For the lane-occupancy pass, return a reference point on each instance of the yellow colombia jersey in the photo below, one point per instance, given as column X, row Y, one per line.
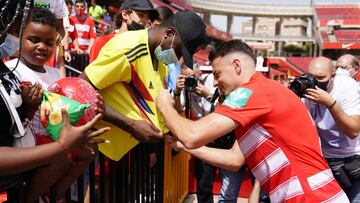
column 124, row 74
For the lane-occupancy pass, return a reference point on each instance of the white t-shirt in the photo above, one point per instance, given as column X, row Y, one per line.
column 57, row 7
column 334, row 143
column 45, row 79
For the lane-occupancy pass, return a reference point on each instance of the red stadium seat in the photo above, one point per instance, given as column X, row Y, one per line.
column 324, row 36
column 300, row 62
column 342, row 15
column 347, row 35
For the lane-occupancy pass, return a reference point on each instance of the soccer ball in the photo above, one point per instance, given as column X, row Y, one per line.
column 79, row 90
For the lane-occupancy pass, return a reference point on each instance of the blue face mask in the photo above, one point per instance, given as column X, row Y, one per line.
column 167, row 56
column 10, row 46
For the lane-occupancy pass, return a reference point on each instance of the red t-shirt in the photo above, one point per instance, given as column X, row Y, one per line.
column 280, row 142
column 72, row 34
column 85, row 31
column 98, row 44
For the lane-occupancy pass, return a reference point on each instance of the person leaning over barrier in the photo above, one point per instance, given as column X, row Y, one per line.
column 131, row 69
column 276, row 136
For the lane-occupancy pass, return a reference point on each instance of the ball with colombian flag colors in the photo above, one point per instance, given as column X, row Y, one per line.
column 79, row 90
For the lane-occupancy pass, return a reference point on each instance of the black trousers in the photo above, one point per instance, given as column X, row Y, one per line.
column 205, row 175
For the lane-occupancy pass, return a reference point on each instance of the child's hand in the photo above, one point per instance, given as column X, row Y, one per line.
column 100, row 106
column 31, row 94
column 78, row 137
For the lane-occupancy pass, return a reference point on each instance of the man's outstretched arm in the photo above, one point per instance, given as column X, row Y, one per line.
column 230, row 159
column 193, row 134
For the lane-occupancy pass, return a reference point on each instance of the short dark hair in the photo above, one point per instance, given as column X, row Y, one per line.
column 69, row 2
column 44, row 16
column 81, row 1
column 164, row 13
column 225, row 48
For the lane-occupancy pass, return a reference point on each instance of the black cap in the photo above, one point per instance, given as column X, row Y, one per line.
column 192, row 31
column 141, row 5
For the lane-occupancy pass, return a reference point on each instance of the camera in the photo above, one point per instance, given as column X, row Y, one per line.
column 303, row 82
column 191, row 83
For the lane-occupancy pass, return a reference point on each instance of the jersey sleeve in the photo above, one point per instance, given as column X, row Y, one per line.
column 109, row 67
column 245, row 105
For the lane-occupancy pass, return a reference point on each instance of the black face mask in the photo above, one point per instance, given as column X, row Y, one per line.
column 135, row 26
column 323, row 85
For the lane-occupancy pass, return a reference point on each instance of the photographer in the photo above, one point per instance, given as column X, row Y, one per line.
column 196, row 92
column 199, row 89
column 334, row 105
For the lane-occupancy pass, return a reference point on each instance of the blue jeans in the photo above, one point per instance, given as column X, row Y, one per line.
column 230, row 187
column 353, row 192
column 205, row 174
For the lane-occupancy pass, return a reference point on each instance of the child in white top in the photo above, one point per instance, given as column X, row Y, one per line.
column 38, row 44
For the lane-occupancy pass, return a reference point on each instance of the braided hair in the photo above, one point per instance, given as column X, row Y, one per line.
column 11, row 11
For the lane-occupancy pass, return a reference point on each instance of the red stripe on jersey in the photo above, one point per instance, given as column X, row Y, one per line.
column 260, row 153
column 138, row 105
column 278, row 178
column 135, row 78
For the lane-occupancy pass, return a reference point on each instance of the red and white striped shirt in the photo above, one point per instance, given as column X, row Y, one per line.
column 280, row 144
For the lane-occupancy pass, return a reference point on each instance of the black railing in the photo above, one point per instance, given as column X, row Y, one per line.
column 78, row 62
column 129, row 180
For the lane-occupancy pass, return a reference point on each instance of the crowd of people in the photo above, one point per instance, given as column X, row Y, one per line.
column 297, row 149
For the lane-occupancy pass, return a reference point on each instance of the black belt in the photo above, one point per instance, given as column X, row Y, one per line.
column 346, row 159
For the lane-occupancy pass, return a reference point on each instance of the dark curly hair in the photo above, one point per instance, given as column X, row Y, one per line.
column 43, row 16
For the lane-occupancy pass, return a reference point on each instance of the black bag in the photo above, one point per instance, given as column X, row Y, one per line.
column 337, row 168
column 226, row 141
column 345, row 170
column 352, row 167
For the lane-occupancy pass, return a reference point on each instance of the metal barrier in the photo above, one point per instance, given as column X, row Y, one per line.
column 176, row 175
column 78, row 62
